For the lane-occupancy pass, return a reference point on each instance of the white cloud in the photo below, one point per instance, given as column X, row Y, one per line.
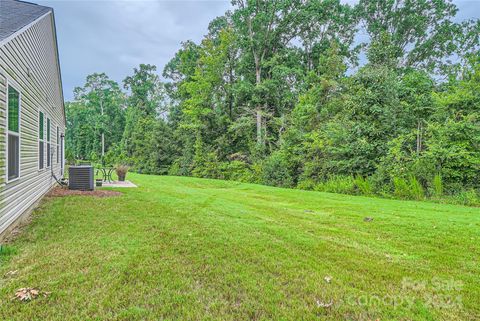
column 114, row 36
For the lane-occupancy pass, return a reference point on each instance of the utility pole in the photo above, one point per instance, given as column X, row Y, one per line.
column 103, row 134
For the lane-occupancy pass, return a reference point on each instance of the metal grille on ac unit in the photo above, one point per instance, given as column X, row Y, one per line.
column 80, row 178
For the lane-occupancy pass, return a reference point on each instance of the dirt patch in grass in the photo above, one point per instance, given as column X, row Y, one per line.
column 14, row 231
column 61, row 192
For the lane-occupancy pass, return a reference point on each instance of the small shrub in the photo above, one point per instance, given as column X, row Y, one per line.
column 363, row 185
column 174, row 169
column 116, row 155
column 468, row 197
column 207, row 166
column 400, row 188
column 276, row 171
column 236, row 170
column 307, row 184
column 180, row 167
column 381, row 185
column 256, row 173
column 337, row 184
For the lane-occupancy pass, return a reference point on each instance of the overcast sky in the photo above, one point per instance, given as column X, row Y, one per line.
column 115, row 36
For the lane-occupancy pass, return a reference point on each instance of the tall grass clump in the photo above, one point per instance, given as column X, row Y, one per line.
column 5, row 252
column 408, row 189
column 337, row 184
column 363, row 185
column 400, row 188
column 437, row 185
column 416, row 189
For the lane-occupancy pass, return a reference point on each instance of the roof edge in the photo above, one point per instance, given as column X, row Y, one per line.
column 20, row 31
column 54, row 31
column 59, row 69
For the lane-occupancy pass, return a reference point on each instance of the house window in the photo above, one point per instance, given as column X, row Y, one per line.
column 13, row 144
column 41, row 141
column 58, row 144
column 49, row 154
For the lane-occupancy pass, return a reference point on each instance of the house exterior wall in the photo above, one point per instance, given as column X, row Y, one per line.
column 29, row 63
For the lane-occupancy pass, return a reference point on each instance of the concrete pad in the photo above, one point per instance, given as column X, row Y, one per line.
column 119, row 184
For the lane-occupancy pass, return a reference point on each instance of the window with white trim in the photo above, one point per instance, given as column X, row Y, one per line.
column 41, row 140
column 49, row 154
column 13, row 133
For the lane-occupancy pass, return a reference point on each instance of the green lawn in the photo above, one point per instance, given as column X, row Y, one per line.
column 184, row 248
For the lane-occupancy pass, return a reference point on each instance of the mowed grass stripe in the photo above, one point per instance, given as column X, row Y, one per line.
column 186, row 248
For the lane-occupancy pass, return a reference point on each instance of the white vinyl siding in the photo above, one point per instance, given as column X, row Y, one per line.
column 29, row 60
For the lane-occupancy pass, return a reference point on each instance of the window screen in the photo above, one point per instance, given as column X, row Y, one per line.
column 41, row 146
column 49, row 154
column 41, row 156
column 13, row 110
column 40, row 126
column 13, row 156
column 13, row 134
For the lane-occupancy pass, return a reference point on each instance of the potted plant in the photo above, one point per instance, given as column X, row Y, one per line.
column 121, row 171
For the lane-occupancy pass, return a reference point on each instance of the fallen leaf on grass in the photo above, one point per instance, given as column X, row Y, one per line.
column 11, row 273
column 28, row 294
column 323, row 304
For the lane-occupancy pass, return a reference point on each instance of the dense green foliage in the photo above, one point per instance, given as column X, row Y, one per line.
column 286, row 93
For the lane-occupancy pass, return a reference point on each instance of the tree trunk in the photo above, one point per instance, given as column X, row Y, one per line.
column 259, row 107
column 419, row 136
column 259, row 126
column 230, row 82
column 264, row 127
column 258, row 77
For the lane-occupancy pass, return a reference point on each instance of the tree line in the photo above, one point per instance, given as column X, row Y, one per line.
column 381, row 97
